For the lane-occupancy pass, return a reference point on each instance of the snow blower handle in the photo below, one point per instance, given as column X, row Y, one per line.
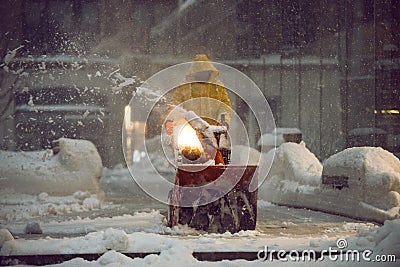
column 224, row 142
column 221, row 134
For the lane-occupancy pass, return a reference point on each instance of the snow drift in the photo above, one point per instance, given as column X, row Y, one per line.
column 177, row 250
column 360, row 182
column 371, row 173
column 76, row 167
column 297, row 164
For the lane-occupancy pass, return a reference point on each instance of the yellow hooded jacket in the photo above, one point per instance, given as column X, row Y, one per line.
column 203, row 93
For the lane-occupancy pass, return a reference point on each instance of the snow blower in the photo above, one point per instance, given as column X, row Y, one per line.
column 221, row 199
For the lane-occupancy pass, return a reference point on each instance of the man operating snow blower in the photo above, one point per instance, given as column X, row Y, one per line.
column 206, row 97
column 198, row 124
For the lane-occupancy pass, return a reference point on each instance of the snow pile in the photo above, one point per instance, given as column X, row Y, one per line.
column 17, row 206
column 360, row 182
column 294, row 168
column 372, row 173
column 115, row 239
column 175, row 255
column 148, row 240
column 178, row 251
column 76, row 167
column 141, row 242
column 294, row 162
column 110, row 258
column 387, row 239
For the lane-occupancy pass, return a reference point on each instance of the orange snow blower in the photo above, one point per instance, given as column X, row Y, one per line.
column 208, row 196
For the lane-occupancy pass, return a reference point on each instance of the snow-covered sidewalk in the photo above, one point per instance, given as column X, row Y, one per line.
column 179, row 247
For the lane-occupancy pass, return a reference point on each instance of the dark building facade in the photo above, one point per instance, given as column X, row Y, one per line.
column 329, row 68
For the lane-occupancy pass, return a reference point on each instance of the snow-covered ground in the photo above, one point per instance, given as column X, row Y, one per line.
column 20, row 207
column 179, row 246
column 125, row 221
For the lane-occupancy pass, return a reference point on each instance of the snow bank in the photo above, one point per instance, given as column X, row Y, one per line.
column 176, row 255
column 361, row 183
column 76, row 167
column 140, row 242
column 296, row 163
column 371, row 173
column 178, row 250
column 295, row 171
column 112, row 258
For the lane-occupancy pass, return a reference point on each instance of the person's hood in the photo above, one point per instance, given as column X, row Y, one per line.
column 201, row 63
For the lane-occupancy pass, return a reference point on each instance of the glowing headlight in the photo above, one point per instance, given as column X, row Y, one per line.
column 188, row 143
